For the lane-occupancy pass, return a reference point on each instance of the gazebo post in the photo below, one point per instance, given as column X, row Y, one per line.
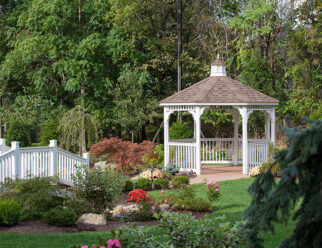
column 166, row 115
column 244, row 114
column 267, row 126
column 198, row 140
column 273, row 126
column 236, row 148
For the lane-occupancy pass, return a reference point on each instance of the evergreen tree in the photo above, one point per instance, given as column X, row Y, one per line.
column 300, row 184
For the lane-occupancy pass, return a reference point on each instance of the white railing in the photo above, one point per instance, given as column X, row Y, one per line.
column 183, row 155
column 257, row 153
column 220, row 150
column 3, row 147
column 40, row 162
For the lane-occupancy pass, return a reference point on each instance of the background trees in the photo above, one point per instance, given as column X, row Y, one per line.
column 113, row 60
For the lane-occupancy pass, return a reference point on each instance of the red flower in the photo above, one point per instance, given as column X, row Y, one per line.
column 137, row 195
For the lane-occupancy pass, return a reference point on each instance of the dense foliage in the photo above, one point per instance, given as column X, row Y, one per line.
column 180, row 181
column 60, row 217
column 300, row 184
column 104, row 64
column 94, row 191
column 9, row 212
column 35, row 195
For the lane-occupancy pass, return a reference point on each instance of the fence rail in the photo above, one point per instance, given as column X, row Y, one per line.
column 183, row 155
column 40, row 162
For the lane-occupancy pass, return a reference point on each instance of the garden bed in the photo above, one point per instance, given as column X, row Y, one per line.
column 38, row 226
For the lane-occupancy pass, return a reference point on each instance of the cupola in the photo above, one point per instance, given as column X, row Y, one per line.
column 218, row 68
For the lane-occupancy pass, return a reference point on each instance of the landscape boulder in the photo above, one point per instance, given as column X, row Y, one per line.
column 93, row 219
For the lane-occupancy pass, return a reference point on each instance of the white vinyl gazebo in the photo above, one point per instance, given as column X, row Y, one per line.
column 219, row 92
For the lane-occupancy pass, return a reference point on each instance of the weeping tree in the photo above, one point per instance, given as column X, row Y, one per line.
column 300, row 185
column 77, row 129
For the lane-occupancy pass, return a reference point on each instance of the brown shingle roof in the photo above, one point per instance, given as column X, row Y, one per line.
column 219, row 90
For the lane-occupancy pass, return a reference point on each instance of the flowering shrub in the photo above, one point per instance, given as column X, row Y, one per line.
column 125, row 154
column 110, row 244
column 137, row 195
column 156, row 157
column 213, row 191
column 255, row 171
column 275, row 169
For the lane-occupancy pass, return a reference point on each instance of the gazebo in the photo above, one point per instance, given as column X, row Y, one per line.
column 219, row 92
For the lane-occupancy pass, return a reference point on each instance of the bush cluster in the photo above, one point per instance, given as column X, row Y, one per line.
column 94, row 191
column 181, row 230
column 213, row 191
column 9, row 212
column 144, row 213
column 161, row 183
column 60, row 217
column 35, row 195
column 143, row 183
column 180, row 181
column 128, row 185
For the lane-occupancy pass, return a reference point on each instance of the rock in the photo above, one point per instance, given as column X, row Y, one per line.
column 93, row 219
column 105, row 165
column 164, row 206
column 157, row 173
column 122, row 210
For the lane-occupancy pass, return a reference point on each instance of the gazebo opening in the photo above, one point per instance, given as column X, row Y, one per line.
column 219, row 92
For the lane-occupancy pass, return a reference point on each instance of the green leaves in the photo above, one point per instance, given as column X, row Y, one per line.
column 300, row 179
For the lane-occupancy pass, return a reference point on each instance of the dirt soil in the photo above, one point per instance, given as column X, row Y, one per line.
column 38, row 226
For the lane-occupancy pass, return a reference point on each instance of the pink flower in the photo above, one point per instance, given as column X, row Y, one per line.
column 162, row 191
column 93, row 246
column 84, row 246
column 153, row 211
column 216, row 189
column 208, row 184
column 182, row 206
column 113, row 243
column 165, row 201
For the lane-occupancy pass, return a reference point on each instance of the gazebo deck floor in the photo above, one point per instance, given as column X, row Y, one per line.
column 218, row 173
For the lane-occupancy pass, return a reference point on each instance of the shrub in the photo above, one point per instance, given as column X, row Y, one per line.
column 275, row 169
column 125, row 154
column 35, row 195
column 60, row 217
column 137, row 195
column 180, row 130
column 185, row 231
column 156, row 157
column 94, row 191
column 180, row 181
column 48, row 130
column 128, row 186
column 144, row 213
column 172, row 169
column 161, row 183
column 193, row 204
column 167, row 175
column 213, row 192
column 18, row 131
column 9, row 212
column 143, row 183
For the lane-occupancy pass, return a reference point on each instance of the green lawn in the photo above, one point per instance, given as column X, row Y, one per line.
column 233, row 201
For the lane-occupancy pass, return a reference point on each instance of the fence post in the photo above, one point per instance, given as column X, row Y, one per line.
column 86, row 156
column 2, row 145
column 16, row 159
column 54, row 158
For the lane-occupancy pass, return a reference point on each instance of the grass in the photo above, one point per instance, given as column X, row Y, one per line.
column 233, row 201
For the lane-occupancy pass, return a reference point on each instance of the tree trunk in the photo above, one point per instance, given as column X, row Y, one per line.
column 179, row 43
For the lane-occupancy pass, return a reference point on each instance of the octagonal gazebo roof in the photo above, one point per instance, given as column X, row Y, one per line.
column 218, row 89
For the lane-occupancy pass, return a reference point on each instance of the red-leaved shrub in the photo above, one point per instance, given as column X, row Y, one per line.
column 125, row 154
column 137, row 195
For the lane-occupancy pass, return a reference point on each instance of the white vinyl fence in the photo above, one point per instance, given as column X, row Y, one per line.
column 257, row 153
column 48, row 161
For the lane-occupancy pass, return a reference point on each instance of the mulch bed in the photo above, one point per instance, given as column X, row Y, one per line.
column 38, row 226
